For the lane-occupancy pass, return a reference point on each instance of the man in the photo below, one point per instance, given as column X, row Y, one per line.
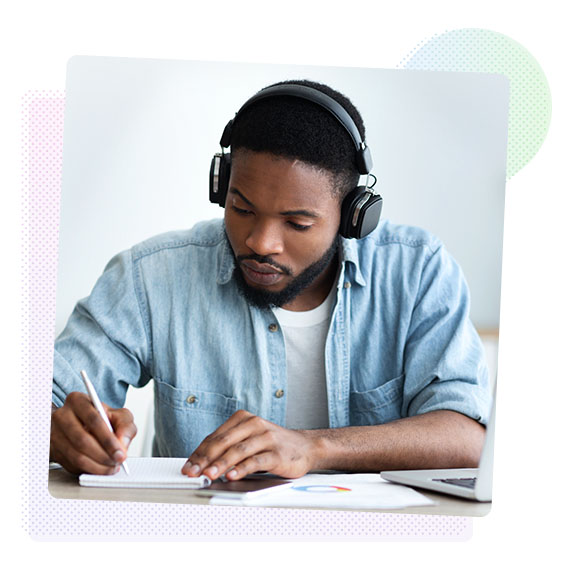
column 275, row 343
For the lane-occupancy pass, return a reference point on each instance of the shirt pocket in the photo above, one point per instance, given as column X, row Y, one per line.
column 184, row 417
column 379, row 405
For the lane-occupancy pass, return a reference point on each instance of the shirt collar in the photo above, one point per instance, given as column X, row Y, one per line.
column 225, row 260
column 349, row 256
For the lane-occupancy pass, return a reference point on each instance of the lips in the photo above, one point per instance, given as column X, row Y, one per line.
column 261, row 274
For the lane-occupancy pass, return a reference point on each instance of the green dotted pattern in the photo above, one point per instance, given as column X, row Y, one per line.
column 477, row 50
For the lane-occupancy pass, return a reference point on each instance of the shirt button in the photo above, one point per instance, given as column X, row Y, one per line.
column 279, row 393
column 347, row 285
column 273, row 327
column 191, row 399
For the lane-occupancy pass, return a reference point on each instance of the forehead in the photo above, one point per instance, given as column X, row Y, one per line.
column 269, row 179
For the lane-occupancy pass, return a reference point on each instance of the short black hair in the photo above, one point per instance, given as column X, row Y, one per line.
column 296, row 128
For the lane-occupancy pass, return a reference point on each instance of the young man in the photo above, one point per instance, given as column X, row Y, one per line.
column 275, row 342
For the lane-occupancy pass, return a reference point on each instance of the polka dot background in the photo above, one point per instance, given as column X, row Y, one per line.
column 475, row 50
column 47, row 518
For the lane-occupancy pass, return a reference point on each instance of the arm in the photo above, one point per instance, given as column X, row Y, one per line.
column 248, row 444
column 439, row 439
column 104, row 335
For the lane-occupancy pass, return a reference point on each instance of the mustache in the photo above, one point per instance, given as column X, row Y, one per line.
column 264, row 260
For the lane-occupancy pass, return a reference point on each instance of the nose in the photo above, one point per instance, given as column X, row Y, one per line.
column 264, row 238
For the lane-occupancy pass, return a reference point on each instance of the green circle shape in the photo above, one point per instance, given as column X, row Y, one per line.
column 485, row 51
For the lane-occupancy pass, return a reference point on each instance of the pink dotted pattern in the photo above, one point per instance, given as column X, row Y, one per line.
column 45, row 517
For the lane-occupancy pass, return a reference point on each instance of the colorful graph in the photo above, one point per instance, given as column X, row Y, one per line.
column 320, row 489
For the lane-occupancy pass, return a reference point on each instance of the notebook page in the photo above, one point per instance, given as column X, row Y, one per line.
column 148, row 473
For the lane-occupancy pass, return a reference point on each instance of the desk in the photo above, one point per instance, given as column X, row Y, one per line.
column 63, row 485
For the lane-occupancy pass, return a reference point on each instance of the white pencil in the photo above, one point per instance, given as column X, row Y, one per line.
column 97, row 404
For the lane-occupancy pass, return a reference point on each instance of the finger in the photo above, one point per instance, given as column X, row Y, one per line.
column 236, row 454
column 73, row 431
column 218, row 442
column 233, row 421
column 88, row 415
column 263, row 461
column 123, row 426
column 64, row 451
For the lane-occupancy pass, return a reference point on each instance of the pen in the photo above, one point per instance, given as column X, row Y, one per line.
column 97, row 404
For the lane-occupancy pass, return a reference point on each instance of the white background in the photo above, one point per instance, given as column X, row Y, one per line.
column 37, row 38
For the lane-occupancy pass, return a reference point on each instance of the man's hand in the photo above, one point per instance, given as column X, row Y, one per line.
column 80, row 440
column 246, row 443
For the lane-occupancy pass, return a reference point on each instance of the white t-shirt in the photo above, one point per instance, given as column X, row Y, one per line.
column 305, row 337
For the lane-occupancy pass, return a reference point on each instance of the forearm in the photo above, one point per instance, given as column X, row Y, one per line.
column 439, row 439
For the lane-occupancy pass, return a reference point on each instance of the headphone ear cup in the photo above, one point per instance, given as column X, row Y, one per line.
column 219, row 178
column 349, row 204
column 361, row 211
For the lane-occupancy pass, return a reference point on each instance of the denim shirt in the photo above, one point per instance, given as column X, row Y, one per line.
column 400, row 342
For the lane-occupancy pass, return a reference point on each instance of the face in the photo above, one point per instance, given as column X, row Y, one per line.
column 282, row 221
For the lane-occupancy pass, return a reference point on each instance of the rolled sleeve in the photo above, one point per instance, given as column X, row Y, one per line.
column 445, row 365
column 106, row 336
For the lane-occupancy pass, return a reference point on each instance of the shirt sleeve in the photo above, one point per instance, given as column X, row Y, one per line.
column 445, row 364
column 107, row 336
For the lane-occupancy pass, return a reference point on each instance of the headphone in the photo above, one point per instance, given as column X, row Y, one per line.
column 361, row 208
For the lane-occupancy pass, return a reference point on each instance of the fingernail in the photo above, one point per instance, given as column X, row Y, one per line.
column 192, row 469
column 118, row 456
column 212, row 471
column 125, row 440
column 232, row 474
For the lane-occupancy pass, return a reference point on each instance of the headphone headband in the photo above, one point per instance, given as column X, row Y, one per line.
column 361, row 208
column 363, row 155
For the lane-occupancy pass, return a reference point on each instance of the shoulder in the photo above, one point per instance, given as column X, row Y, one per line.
column 388, row 233
column 396, row 255
column 204, row 235
column 398, row 239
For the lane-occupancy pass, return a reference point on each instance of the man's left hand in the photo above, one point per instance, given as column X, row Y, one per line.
column 246, row 443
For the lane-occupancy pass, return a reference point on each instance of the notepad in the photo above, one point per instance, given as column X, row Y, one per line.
column 148, row 473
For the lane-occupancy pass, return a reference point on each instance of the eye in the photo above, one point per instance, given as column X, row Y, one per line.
column 299, row 227
column 242, row 212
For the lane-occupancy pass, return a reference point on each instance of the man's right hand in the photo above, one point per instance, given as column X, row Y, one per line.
column 80, row 440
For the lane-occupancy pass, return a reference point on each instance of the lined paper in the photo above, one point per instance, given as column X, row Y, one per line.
column 148, row 473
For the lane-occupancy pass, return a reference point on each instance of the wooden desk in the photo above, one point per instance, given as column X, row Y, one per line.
column 64, row 485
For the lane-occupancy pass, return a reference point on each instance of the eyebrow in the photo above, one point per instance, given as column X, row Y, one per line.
column 235, row 191
column 299, row 212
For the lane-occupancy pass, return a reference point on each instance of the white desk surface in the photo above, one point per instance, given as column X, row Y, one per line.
column 64, row 485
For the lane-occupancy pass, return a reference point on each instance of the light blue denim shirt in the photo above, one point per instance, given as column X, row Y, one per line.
column 400, row 341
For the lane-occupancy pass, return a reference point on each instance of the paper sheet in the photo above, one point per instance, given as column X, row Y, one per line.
column 348, row 491
column 148, row 473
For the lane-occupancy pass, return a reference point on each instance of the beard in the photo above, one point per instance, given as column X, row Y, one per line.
column 266, row 299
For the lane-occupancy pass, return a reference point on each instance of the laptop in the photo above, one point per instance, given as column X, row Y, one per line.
column 475, row 484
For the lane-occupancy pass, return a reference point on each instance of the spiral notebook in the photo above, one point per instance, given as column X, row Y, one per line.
column 148, row 473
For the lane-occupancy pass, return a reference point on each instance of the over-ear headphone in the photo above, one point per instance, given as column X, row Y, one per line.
column 361, row 208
